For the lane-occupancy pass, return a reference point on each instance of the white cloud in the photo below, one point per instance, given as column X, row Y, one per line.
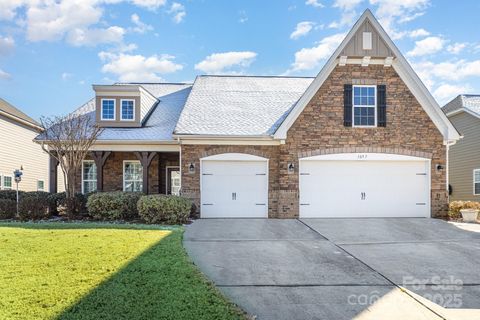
column 7, row 44
column 446, row 92
column 393, row 12
column 302, row 29
column 417, row 33
column 8, row 9
column 427, row 46
column 4, row 75
column 140, row 27
column 66, row 76
column 91, row 37
column 220, row 62
column 131, row 68
column 243, row 16
column 348, row 12
column 52, row 20
column 449, row 70
column 456, row 47
column 150, row 4
column 178, row 12
column 309, row 58
column 314, row 3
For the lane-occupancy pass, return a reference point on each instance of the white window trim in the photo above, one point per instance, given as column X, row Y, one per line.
column 360, row 106
column 2, row 181
column 114, row 110
column 123, row 172
column 83, row 180
column 475, row 194
column 38, row 180
column 121, row 109
column 169, row 183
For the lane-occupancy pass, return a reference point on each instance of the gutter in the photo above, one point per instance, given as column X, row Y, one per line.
column 15, row 118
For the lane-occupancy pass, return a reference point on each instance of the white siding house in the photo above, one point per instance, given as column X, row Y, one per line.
column 17, row 149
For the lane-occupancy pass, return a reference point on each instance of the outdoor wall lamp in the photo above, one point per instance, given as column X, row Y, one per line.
column 191, row 168
column 291, row 167
column 439, row 167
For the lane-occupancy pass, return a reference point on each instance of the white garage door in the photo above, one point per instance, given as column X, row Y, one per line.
column 364, row 185
column 234, row 186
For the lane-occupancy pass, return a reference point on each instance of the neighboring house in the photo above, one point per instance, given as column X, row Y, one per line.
column 464, row 156
column 364, row 138
column 17, row 131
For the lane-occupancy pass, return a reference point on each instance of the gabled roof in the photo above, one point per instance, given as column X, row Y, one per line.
column 401, row 66
column 158, row 125
column 469, row 103
column 15, row 114
column 239, row 105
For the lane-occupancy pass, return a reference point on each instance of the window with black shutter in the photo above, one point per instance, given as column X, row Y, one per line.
column 347, row 105
column 382, row 105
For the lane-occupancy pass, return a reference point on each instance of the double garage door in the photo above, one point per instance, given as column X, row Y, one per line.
column 333, row 186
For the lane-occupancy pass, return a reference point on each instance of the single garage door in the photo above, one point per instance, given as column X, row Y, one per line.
column 364, row 185
column 234, row 186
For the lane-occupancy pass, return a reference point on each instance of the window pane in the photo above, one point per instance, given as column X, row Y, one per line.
column 356, row 100
column 356, row 121
column 371, row 121
column 356, row 91
column 371, row 91
column 133, row 176
column 127, row 110
column 371, row 101
column 363, row 101
column 40, row 185
column 108, row 109
column 363, row 91
column 477, row 188
column 7, row 182
column 370, row 111
column 477, row 175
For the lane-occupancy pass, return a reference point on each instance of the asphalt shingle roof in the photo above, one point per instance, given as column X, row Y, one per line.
column 8, row 108
column 239, row 105
column 468, row 101
column 159, row 124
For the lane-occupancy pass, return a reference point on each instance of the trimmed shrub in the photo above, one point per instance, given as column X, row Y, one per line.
column 113, row 205
column 455, row 207
column 164, row 209
column 11, row 194
column 8, row 208
column 34, row 206
column 58, row 203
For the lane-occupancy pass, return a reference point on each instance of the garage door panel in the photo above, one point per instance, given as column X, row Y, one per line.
column 364, row 189
column 234, row 189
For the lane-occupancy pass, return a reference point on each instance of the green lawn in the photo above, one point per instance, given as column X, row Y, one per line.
column 100, row 271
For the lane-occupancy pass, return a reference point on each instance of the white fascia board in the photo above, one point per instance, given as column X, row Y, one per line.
column 19, row 120
column 460, row 110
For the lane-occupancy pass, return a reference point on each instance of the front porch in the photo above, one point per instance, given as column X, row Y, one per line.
column 150, row 172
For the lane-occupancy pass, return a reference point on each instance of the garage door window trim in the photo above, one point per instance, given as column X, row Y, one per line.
column 364, row 106
column 476, row 182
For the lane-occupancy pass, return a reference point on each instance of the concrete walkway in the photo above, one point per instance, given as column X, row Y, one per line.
column 341, row 268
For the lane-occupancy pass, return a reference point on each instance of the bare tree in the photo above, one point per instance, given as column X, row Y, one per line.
column 69, row 139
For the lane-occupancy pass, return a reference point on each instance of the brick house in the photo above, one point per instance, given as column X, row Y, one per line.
column 364, row 138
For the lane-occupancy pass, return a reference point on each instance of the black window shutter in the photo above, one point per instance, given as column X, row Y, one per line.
column 382, row 105
column 347, row 105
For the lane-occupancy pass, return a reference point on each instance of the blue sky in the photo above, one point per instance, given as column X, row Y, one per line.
column 51, row 52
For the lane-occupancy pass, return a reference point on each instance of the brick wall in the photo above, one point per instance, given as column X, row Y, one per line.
column 319, row 129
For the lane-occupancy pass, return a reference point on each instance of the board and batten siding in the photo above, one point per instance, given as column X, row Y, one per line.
column 18, row 149
column 464, row 157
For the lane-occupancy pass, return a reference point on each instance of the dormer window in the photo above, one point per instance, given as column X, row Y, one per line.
column 108, row 109
column 127, row 110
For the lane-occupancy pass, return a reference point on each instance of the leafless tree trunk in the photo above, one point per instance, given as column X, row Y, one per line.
column 69, row 139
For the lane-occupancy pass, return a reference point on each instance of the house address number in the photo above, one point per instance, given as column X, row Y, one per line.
column 362, row 156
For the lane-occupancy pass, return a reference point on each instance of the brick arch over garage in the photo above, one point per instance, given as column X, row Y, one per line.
column 234, row 149
column 399, row 151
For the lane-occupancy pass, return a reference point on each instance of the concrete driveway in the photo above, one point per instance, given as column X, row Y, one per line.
column 341, row 268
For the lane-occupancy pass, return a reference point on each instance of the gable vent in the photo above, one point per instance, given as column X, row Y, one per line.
column 367, row 41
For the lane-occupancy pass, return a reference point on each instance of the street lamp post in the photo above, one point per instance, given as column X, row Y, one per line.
column 18, row 177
